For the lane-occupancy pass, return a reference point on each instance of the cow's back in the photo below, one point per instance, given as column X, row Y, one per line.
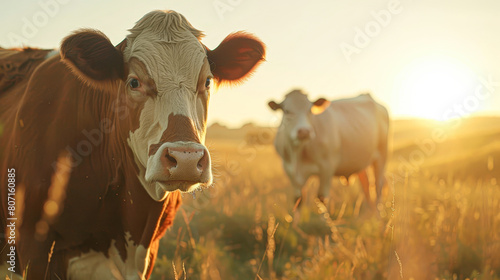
column 353, row 131
column 16, row 67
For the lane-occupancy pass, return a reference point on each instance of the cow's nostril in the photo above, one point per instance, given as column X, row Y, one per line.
column 303, row 134
column 202, row 163
column 171, row 158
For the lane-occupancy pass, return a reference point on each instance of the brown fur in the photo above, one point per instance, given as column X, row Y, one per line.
column 91, row 53
column 101, row 183
column 180, row 128
column 236, row 58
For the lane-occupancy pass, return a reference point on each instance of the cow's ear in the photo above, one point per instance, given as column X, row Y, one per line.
column 236, row 58
column 90, row 54
column 273, row 105
column 319, row 106
column 319, row 102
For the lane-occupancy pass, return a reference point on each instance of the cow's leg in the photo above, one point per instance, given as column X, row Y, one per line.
column 325, row 183
column 381, row 159
column 327, row 170
column 325, row 180
column 365, row 184
column 297, row 181
column 379, row 172
column 324, row 189
column 297, row 192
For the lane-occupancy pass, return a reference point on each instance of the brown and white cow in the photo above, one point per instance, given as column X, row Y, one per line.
column 327, row 139
column 101, row 139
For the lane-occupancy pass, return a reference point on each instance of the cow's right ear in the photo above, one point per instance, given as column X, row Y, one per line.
column 273, row 105
column 235, row 59
column 319, row 106
column 90, row 54
column 320, row 102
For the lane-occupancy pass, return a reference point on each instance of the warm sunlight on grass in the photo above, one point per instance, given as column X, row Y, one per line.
column 430, row 86
column 441, row 222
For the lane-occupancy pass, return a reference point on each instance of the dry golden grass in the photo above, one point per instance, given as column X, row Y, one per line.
column 439, row 218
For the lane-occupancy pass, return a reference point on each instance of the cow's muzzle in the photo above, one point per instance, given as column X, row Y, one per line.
column 303, row 134
column 185, row 163
column 180, row 165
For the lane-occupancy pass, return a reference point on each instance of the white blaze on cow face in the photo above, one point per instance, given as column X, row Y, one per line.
column 169, row 76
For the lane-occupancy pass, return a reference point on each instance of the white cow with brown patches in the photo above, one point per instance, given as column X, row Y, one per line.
column 327, row 139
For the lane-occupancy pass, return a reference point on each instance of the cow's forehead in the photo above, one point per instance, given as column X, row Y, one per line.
column 170, row 65
column 169, row 47
column 296, row 100
column 166, row 26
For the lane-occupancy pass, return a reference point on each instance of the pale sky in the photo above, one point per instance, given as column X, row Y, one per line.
column 420, row 58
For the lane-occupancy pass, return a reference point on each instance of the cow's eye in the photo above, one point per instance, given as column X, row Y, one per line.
column 134, row 83
column 208, row 82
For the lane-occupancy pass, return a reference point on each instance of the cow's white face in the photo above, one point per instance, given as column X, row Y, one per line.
column 297, row 114
column 169, row 75
column 163, row 73
column 171, row 128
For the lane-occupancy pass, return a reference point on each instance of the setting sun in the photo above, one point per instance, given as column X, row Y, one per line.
column 431, row 86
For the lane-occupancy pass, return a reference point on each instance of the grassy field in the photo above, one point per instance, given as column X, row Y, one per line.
column 439, row 217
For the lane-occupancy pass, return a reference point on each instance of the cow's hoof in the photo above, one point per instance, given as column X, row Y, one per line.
column 298, row 202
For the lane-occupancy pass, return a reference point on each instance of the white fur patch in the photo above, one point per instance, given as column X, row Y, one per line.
column 95, row 265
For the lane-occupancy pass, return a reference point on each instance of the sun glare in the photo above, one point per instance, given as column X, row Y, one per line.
column 432, row 86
